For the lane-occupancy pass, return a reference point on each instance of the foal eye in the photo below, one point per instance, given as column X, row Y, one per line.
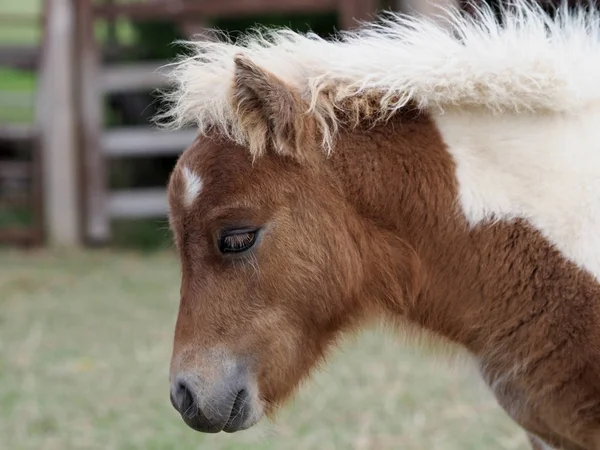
column 237, row 242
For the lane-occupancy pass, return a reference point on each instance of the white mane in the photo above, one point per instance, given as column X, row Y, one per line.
column 528, row 63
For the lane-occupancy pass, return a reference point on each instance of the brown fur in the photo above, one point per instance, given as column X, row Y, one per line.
column 374, row 231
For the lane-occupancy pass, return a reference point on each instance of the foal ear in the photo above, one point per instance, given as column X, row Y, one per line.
column 271, row 111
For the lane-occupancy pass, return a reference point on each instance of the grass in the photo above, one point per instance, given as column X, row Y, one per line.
column 85, row 341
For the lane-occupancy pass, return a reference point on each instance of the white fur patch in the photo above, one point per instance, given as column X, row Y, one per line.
column 530, row 63
column 193, row 186
column 544, row 168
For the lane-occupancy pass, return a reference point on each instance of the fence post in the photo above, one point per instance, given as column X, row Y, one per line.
column 55, row 119
column 96, row 222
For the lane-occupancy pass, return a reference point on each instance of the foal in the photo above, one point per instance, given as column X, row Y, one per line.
column 443, row 178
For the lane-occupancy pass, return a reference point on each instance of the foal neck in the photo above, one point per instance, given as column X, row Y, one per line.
column 482, row 286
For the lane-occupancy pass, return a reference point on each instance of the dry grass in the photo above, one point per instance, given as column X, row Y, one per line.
column 84, row 350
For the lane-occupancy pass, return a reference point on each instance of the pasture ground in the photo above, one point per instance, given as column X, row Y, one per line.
column 85, row 341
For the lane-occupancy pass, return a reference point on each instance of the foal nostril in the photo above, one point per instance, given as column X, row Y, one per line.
column 182, row 399
column 238, row 411
column 240, row 402
column 222, row 405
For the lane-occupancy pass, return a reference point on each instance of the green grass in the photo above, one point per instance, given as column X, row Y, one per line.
column 85, row 341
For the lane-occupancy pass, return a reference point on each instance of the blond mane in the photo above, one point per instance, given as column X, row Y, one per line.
column 528, row 62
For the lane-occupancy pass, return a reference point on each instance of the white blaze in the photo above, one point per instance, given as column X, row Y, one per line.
column 193, row 186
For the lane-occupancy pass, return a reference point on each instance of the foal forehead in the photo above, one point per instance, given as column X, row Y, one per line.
column 211, row 157
column 210, row 172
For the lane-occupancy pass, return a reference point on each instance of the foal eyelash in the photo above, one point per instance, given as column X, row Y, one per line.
column 237, row 241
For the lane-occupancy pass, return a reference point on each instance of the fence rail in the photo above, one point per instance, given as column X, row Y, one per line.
column 139, row 141
column 132, row 77
column 137, row 203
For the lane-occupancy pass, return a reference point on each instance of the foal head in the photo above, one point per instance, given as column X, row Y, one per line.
column 275, row 262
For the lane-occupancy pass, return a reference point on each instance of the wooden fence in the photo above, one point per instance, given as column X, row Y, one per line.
column 98, row 145
column 77, row 148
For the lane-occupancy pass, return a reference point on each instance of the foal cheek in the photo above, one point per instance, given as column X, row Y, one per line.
column 272, row 335
column 274, row 345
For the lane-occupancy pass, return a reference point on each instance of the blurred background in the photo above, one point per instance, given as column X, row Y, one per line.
column 89, row 282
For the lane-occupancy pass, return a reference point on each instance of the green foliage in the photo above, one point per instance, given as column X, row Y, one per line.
column 16, row 80
column 322, row 24
column 14, row 217
column 155, row 40
column 16, row 95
